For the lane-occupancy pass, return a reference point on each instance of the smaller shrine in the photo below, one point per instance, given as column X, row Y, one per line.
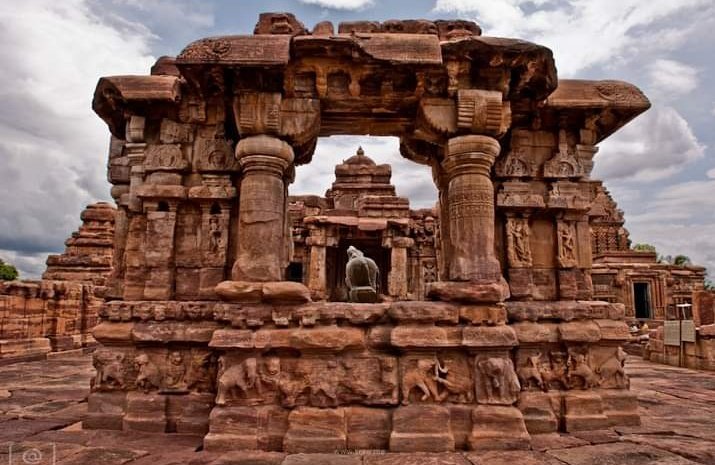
column 649, row 289
column 361, row 209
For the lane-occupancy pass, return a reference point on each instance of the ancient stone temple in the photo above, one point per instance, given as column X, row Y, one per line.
column 58, row 312
column 361, row 209
column 205, row 329
column 648, row 288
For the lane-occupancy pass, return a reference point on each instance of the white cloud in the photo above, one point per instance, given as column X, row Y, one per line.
column 411, row 180
column 670, row 78
column 340, row 4
column 52, row 145
column 679, row 219
column 711, row 173
column 713, row 110
column 656, row 145
column 584, row 33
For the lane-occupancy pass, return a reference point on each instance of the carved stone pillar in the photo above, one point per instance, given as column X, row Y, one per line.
column 261, row 233
column 468, row 163
column 397, row 277
column 317, row 278
column 473, row 271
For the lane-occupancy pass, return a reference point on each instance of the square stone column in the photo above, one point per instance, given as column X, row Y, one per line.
column 397, row 277
column 317, row 278
column 262, row 209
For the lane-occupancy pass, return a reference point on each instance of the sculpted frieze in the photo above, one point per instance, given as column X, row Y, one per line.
column 518, row 242
column 496, row 381
column 165, row 157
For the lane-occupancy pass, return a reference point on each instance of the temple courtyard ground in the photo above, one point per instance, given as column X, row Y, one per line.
column 42, row 404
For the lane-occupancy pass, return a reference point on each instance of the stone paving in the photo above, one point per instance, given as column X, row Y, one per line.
column 42, row 404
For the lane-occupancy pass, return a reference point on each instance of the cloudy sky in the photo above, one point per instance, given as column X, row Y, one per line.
column 660, row 168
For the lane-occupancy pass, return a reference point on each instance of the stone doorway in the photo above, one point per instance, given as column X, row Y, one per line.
column 641, row 300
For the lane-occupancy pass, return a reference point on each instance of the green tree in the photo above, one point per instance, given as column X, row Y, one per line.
column 644, row 248
column 7, row 271
column 681, row 260
column 709, row 285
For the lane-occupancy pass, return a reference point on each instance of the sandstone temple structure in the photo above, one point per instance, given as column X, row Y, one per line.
column 487, row 334
column 59, row 312
column 650, row 290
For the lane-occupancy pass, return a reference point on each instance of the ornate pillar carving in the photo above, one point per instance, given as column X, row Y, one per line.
column 473, row 271
column 468, row 163
column 397, row 277
column 317, row 278
column 261, row 223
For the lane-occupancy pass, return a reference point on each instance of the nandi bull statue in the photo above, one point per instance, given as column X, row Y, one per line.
column 361, row 277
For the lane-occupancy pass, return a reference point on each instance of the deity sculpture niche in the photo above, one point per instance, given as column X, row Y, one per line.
column 361, row 277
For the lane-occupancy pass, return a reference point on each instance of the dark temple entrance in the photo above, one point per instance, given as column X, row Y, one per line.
column 641, row 300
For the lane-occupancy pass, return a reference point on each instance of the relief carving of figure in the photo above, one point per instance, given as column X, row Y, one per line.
column 324, row 385
column 456, row 379
column 612, row 371
column 201, row 373
column 498, row 383
column 110, row 370
column 518, row 241
column 580, row 374
column 423, row 376
column 240, row 377
column 175, row 371
column 148, row 374
column 215, row 239
column 361, row 277
column 553, row 372
column 530, row 374
column 567, row 245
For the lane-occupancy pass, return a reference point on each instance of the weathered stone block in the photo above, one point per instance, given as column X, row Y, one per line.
column 579, row 331
column 368, row 428
column 315, row 430
column 105, row 410
column 498, row 427
column 421, row 428
column 425, row 336
column 483, row 314
column 145, row 412
column 541, row 411
column 489, row 336
column 424, row 312
column 583, row 410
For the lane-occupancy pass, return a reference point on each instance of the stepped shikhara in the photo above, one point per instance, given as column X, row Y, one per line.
column 58, row 312
column 202, row 331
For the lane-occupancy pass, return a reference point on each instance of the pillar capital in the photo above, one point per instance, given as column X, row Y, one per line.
column 264, row 153
column 472, row 154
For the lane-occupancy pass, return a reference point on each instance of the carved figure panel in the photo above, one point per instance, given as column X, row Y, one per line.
column 580, row 373
column 566, row 241
column 165, row 157
column 516, row 164
column 112, row 370
column 544, row 371
column 214, row 155
column 436, row 379
column 215, row 236
column 172, row 132
column 496, row 381
column 318, row 382
column 518, row 242
column 610, row 367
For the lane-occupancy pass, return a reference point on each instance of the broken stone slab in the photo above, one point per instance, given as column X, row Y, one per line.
column 466, row 292
column 278, row 292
